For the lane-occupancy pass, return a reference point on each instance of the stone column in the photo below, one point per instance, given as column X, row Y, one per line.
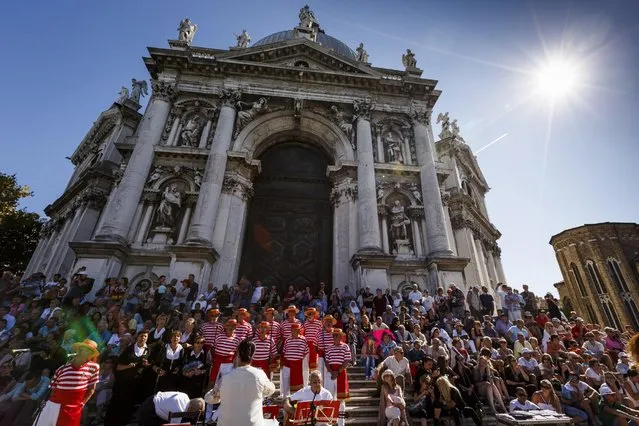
column 185, row 224
column 433, row 208
column 466, row 248
column 227, row 268
column 500, row 269
column 482, row 262
column 379, row 144
column 204, row 215
column 146, row 222
column 369, row 237
column 385, row 245
column 406, row 144
column 172, row 139
column 121, row 208
column 424, row 236
column 492, row 272
column 54, row 263
column 417, row 240
column 205, row 133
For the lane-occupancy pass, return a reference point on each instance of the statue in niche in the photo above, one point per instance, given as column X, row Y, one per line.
column 245, row 117
column 169, row 207
column 190, row 135
column 393, row 149
column 362, row 55
column 347, row 128
column 408, row 59
column 186, row 30
column 415, row 191
column 399, row 220
column 380, row 193
column 138, row 88
column 243, row 39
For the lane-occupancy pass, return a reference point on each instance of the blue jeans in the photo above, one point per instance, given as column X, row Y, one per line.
column 369, row 365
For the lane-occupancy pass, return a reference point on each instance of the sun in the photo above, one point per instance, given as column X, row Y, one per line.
column 558, row 77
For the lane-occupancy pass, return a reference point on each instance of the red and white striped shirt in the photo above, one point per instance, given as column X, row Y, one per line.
column 312, row 329
column 71, row 378
column 225, row 345
column 264, row 349
column 295, row 349
column 324, row 340
column 285, row 328
column 243, row 330
column 210, row 331
column 337, row 354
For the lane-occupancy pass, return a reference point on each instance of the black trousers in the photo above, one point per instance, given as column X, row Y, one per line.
column 146, row 414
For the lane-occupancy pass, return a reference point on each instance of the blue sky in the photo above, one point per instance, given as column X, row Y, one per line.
column 563, row 162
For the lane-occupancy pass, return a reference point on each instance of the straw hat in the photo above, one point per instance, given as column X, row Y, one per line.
column 312, row 311
column 329, row 318
column 337, row 332
column 87, row 344
column 292, row 308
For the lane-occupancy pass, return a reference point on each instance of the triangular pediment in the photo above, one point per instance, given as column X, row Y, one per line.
column 298, row 53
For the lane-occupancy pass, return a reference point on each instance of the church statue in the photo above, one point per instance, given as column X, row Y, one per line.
column 362, row 55
column 169, row 206
column 243, row 39
column 156, row 174
column 190, row 135
column 138, row 88
column 445, row 120
column 347, row 128
column 307, row 17
column 380, row 193
column 399, row 220
column 245, row 117
column 186, row 30
column 415, row 191
column 408, row 59
column 454, row 127
column 393, row 149
column 124, row 94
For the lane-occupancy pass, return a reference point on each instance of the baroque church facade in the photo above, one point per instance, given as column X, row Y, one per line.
column 293, row 160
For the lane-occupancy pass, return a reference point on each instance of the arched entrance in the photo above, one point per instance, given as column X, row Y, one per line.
column 289, row 229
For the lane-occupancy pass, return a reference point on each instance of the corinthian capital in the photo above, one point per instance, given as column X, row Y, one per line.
column 420, row 116
column 162, row 90
column 230, row 97
column 363, row 109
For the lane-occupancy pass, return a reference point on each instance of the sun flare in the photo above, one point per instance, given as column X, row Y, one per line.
column 558, row 77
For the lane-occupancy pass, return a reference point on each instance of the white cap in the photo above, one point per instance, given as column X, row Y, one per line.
column 605, row 390
column 623, row 355
column 526, row 351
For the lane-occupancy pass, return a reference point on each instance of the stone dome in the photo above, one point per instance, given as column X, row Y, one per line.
column 324, row 40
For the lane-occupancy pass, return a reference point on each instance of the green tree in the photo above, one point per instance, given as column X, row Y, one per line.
column 19, row 229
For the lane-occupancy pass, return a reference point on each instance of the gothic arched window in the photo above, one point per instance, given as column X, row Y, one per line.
column 577, row 277
column 616, row 275
column 595, row 277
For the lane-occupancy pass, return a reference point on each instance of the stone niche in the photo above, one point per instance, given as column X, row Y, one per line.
column 168, row 212
column 400, row 234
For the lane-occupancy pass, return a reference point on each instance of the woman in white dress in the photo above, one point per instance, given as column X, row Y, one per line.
column 392, row 405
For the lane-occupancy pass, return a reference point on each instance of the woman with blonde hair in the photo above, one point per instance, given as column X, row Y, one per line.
column 392, row 407
column 546, row 398
column 449, row 402
column 484, row 377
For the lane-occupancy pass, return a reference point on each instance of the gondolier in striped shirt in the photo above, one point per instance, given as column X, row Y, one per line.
column 324, row 340
column 244, row 328
column 312, row 327
column 225, row 347
column 211, row 329
column 285, row 327
column 338, row 358
column 72, row 387
column 265, row 349
column 293, row 377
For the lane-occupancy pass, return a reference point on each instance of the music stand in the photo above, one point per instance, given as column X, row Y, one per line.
column 326, row 411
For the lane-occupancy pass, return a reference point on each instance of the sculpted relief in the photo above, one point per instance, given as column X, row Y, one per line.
column 394, row 151
column 191, row 132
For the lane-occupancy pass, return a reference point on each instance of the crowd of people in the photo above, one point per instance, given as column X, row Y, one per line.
column 453, row 354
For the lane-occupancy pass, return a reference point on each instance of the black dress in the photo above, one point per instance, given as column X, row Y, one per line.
column 171, row 363
column 129, row 388
column 199, row 363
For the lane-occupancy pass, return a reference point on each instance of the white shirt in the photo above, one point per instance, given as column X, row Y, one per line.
column 170, row 402
column 415, row 295
column 241, row 395
column 397, row 367
column 427, row 302
column 530, row 364
column 173, row 354
column 138, row 351
column 257, row 294
column 306, row 394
